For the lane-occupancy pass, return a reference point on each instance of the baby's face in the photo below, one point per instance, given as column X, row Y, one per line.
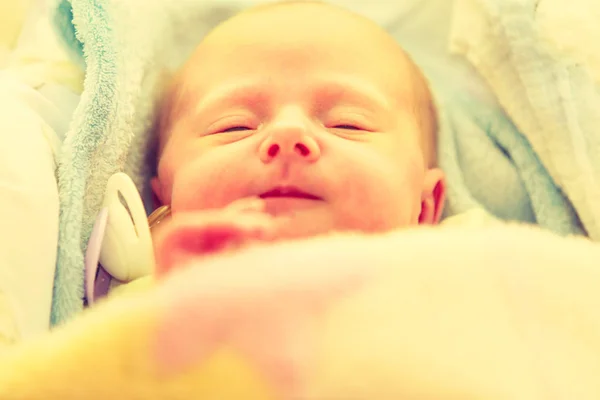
column 312, row 115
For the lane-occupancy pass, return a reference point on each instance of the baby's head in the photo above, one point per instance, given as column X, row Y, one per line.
column 311, row 107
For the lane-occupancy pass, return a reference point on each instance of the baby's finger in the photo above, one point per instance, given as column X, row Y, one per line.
column 195, row 235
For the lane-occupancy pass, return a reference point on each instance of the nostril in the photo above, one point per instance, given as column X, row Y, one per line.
column 273, row 150
column 302, row 149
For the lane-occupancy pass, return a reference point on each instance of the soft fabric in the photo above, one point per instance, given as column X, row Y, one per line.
column 9, row 331
column 38, row 87
column 12, row 16
column 489, row 163
column 503, row 312
column 129, row 46
column 38, row 57
column 29, row 146
column 475, row 217
column 542, row 61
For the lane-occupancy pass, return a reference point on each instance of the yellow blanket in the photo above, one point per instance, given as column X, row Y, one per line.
column 501, row 312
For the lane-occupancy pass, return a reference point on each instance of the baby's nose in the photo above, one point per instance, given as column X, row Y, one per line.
column 290, row 140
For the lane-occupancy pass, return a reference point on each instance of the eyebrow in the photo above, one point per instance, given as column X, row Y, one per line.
column 242, row 92
column 325, row 93
column 362, row 92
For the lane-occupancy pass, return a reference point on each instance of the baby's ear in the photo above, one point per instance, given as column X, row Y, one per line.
column 433, row 197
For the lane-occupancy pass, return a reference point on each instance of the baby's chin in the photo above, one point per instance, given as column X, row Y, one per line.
column 305, row 223
column 300, row 218
column 302, row 224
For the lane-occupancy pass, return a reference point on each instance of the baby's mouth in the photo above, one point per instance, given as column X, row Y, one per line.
column 288, row 192
column 289, row 200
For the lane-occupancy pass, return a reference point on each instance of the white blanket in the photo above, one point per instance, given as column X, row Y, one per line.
column 542, row 60
column 37, row 98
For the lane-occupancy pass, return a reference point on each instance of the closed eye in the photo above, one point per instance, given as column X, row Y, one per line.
column 236, row 129
column 348, row 127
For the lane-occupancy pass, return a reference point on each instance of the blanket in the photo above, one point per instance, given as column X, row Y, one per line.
column 126, row 47
column 540, row 60
column 502, row 312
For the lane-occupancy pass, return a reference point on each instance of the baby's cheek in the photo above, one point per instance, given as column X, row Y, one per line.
column 203, row 184
column 379, row 194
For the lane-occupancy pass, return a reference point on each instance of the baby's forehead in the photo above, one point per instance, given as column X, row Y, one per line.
column 257, row 41
column 388, row 73
column 340, row 69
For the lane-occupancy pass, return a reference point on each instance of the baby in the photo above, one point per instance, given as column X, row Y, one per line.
column 291, row 120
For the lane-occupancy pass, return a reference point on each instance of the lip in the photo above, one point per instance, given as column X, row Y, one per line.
column 288, row 192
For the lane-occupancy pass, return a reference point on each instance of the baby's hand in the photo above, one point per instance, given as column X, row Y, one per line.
column 200, row 233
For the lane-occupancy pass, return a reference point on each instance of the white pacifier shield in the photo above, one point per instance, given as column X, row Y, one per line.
column 126, row 252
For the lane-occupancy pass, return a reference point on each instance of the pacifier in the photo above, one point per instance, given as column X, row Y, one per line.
column 120, row 240
column 97, row 280
column 126, row 252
